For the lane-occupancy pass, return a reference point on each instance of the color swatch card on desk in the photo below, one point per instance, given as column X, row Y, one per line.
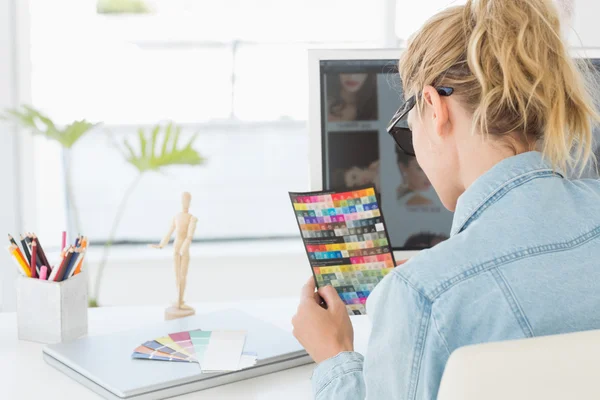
column 213, row 350
column 346, row 242
column 219, row 350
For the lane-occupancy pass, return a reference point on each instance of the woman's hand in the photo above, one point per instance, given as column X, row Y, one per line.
column 324, row 333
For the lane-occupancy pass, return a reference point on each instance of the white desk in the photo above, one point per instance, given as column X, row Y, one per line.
column 25, row 375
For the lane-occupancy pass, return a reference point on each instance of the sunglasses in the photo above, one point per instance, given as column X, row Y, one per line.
column 398, row 126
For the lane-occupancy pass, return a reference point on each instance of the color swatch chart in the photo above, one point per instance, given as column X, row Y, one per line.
column 346, row 242
column 215, row 351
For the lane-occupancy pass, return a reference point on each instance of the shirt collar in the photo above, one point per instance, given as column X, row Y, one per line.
column 496, row 181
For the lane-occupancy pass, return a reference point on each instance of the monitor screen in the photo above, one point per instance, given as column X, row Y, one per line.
column 358, row 98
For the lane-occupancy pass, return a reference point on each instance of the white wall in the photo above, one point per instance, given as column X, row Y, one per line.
column 583, row 13
column 585, row 23
column 15, row 165
column 9, row 220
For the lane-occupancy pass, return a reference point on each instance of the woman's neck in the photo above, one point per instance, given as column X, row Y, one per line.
column 348, row 97
column 482, row 155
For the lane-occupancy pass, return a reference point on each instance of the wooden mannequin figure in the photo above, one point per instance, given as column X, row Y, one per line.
column 184, row 226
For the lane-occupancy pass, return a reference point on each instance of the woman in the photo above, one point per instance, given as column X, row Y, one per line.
column 352, row 97
column 415, row 183
column 493, row 82
column 355, row 177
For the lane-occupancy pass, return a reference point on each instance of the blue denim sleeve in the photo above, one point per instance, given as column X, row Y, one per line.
column 340, row 377
column 406, row 353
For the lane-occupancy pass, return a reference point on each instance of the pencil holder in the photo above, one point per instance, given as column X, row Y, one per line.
column 52, row 312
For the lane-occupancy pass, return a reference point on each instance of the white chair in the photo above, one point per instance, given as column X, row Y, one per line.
column 559, row 367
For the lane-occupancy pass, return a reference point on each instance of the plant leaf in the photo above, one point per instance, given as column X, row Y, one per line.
column 73, row 132
column 36, row 122
column 192, row 140
column 176, row 139
column 143, row 142
column 167, row 137
column 169, row 155
column 154, row 136
column 44, row 119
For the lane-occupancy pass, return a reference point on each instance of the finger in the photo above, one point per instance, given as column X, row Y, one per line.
column 401, row 262
column 308, row 290
column 317, row 298
column 330, row 296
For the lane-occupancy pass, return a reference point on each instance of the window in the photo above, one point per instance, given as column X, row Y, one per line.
column 233, row 70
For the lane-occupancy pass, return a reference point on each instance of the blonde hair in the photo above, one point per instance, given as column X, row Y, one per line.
column 510, row 68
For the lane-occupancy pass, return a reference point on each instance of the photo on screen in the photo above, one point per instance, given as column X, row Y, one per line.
column 351, row 97
column 415, row 189
column 415, row 215
column 360, row 152
column 353, row 159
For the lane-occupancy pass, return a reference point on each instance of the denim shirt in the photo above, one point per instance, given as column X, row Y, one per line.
column 522, row 261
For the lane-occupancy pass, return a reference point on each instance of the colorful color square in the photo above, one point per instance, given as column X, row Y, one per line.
column 346, row 242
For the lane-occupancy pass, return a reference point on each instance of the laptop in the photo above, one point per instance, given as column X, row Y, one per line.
column 104, row 363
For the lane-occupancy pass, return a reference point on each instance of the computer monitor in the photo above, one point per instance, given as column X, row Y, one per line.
column 352, row 96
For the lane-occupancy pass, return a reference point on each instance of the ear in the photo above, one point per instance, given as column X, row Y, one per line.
column 438, row 107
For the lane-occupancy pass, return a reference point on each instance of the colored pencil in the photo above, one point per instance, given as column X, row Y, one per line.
column 14, row 243
column 64, row 240
column 26, row 249
column 12, row 240
column 72, row 264
column 79, row 263
column 65, row 264
column 33, row 262
column 56, row 268
column 33, row 259
column 41, row 252
column 38, row 261
column 23, row 267
column 21, row 256
column 44, row 273
column 84, row 245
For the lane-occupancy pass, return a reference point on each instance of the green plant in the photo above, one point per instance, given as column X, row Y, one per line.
column 37, row 123
column 157, row 150
column 122, row 7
